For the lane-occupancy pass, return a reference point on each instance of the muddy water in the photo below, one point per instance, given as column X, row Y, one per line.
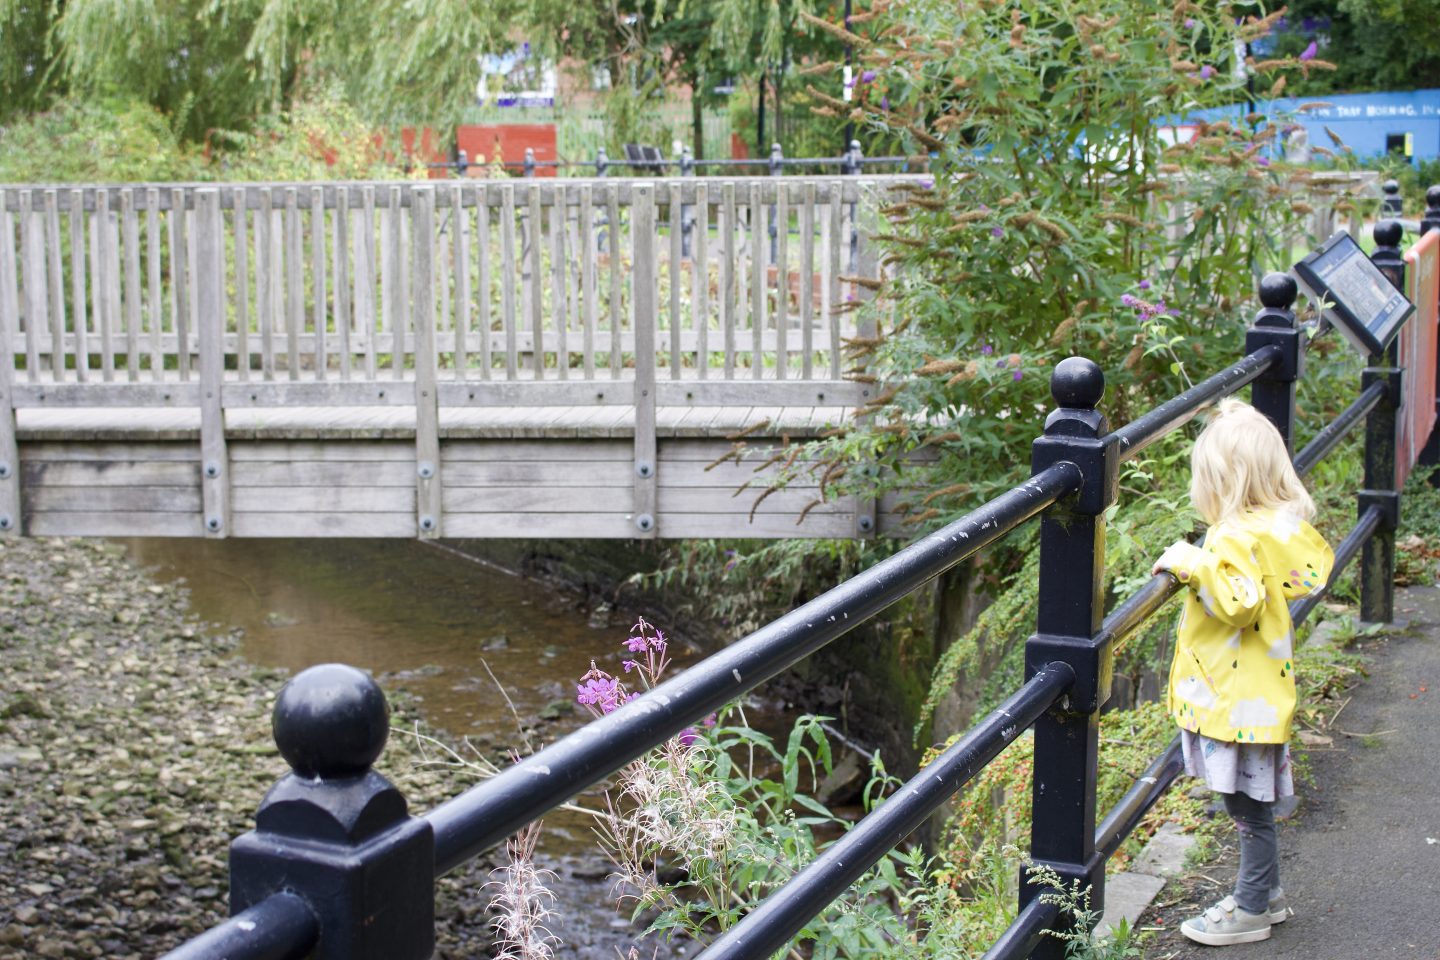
column 430, row 620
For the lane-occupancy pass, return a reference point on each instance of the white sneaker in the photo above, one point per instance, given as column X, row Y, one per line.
column 1225, row 923
column 1279, row 907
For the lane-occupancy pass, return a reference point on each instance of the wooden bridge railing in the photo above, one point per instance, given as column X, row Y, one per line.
column 488, row 283
column 430, row 297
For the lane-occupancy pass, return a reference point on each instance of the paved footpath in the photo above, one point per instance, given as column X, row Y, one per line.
column 1360, row 862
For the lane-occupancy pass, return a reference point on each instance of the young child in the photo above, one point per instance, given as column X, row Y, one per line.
column 1232, row 683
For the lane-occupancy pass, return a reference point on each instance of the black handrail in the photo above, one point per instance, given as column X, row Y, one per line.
column 372, row 848
column 280, row 927
column 1141, row 433
column 486, row 814
column 1026, row 931
column 1338, row 429
column 785, row 912
column 1121, row 821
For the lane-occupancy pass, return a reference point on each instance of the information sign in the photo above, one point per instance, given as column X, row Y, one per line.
column 1360, row 300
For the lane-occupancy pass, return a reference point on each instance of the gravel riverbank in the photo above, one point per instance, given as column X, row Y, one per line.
column 134, row 744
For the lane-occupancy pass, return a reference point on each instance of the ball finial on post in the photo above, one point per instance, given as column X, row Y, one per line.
column 331, row 721
column 1392, row 204
column 1278, row 291
column 1077, row 383
column 336, row 833
column 1388, row 233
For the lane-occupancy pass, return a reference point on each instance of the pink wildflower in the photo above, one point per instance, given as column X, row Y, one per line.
column 599, row 691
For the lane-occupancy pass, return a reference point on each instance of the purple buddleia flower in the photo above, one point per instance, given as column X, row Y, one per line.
column 997, row 232
column 986, row 349
column 688, row 736
column 1018, row 375
column 1206, row 72
column 1128, row 300
column 1309, row 52
column 868, row 76
column 1189, row 23
column 1144, row 284
column 1263, row 161
column 884, row 103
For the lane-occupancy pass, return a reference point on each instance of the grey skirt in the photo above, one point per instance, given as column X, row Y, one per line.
column 1261, row 771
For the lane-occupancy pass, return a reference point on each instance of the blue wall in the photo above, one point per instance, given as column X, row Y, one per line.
column 1362, row 120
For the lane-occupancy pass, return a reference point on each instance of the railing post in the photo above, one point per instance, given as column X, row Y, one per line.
column 9, row 338
column 210, row 298
column 602, row 162
column 1377, row 561
column 428, row 501
column 1431, row 220
column 645, row 291
column 529, row 161
column 1071, row 608
column 335, row 833
column 1273, row 393
column 1392, row 205
column 462, row 163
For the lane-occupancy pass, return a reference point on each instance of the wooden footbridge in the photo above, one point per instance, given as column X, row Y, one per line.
column 476, row 358
column 469, row 359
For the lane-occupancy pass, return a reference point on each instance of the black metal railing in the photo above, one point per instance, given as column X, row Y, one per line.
column 850, row 163
column 337, row 868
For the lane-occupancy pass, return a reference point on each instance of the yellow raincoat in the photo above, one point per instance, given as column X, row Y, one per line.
column 1233, row 673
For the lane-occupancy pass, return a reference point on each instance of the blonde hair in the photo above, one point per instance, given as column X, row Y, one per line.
column 1240, row 463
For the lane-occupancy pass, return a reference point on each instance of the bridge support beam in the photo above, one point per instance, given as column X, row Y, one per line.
column 1071, row 609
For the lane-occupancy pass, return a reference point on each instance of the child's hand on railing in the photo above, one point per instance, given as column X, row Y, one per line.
column 1176, row 556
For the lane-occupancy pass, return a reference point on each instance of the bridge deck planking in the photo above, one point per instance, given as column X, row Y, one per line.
column 326, row 472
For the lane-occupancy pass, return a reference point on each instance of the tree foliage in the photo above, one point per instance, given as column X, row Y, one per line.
column 1061, row 220
column 1374, row 44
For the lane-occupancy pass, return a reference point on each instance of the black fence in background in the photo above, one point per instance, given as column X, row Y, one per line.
column 648, row 161
column 336, row 868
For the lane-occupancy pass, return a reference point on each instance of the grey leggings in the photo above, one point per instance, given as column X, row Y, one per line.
column 1259, row 851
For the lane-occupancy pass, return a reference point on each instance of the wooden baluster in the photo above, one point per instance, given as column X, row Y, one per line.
column 56, row 286
column 78, row 285
column 587, row 276
column 32, row 280
column 319, row 309
column 340, row 251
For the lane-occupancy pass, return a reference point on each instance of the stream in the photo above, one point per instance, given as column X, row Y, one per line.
column 428, row 619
